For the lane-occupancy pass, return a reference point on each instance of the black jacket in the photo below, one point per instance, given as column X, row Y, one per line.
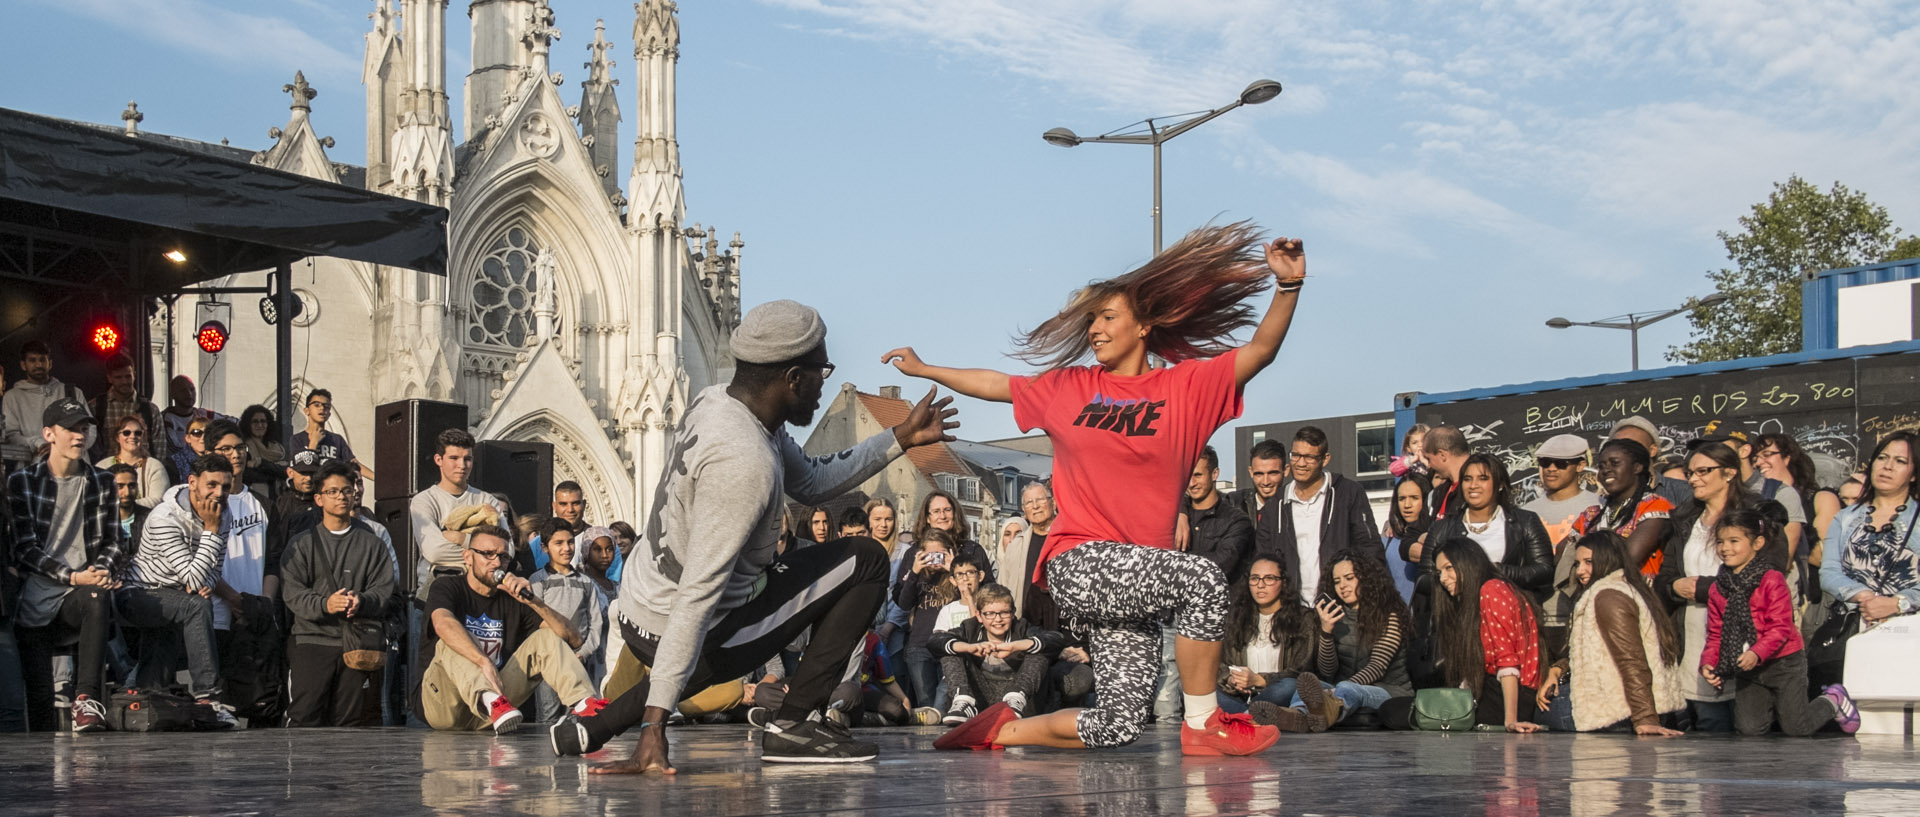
column 1527, row 563
column 1346, row 521
column 1266, row 523
column 1222, row 534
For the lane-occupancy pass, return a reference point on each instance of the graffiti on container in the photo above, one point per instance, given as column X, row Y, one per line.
column 1480, row 434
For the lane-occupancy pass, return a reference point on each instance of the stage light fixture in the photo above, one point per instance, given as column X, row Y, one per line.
column 106, row 338
column 212, row 337
column 175, row 256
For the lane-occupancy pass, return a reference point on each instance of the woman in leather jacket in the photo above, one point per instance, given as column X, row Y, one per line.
column 1514, row 539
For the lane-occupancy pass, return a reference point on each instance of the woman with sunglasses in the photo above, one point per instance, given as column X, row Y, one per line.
column 130, row 443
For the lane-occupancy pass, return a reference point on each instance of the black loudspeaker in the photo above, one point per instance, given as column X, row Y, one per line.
column 403, row 435
column 392, row 513
column 522, row 471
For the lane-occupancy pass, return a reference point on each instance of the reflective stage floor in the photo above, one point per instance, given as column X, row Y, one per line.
column 398, row 772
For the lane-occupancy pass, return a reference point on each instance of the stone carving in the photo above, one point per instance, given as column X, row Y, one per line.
column 539, row 136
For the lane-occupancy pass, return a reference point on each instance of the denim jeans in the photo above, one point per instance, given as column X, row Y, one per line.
column 170, row 608
column 1354, row 696
column 922, row 676
column 1558, row 716
column 1711, row 716
column 1279, row 692
column 1167, row 701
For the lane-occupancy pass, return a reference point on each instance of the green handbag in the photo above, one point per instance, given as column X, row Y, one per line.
column 1443, row 709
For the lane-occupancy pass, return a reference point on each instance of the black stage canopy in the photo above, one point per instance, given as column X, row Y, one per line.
column 123, row 200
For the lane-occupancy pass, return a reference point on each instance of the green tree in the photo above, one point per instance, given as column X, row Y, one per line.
column 1796, row 233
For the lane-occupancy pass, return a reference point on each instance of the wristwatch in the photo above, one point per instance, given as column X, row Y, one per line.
column 1906, row 605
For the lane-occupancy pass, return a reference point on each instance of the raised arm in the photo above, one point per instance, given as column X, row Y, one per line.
column 980, row 384
column 1287, row 257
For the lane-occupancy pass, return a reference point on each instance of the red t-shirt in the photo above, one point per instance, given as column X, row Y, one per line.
column 1123, row 447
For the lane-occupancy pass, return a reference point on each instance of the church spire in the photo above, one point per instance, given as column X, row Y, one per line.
column 656, row 152
column 600, row 110
column 422, row 149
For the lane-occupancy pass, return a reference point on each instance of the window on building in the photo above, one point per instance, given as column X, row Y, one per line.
column 502, row 292
column 1373, row 452
column 970, row 489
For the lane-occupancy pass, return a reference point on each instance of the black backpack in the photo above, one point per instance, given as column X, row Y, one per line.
column 136, row 710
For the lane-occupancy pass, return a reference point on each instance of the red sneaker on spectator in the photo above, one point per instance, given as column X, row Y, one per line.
column 505, row 717
column 88, row 715
column 980, row 731
column 1227, row 735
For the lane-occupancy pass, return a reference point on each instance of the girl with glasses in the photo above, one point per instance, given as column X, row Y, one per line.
column 1268, row 643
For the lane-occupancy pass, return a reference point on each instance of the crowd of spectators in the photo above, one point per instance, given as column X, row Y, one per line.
column 1630, row 588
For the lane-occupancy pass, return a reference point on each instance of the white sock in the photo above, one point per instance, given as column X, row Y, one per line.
column 487, row 699
column 960, row 701
column 1017, row 700
column 1199, row 709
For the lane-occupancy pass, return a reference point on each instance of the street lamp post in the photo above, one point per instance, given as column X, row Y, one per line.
column 1633, row 321
column 1157, row 130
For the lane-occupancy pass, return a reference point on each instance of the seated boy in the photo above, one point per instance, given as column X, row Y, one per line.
column 994, row 657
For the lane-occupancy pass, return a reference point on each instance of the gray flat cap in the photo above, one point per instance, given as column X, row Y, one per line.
column 777, row 331
column 1562, row 447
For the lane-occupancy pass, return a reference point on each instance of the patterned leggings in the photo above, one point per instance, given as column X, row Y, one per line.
column 1115, row 595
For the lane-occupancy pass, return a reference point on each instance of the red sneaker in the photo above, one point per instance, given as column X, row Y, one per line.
column 1227, row 735
column 88, row 715
column 980, row 731
column 505, row 718
column 589, row 707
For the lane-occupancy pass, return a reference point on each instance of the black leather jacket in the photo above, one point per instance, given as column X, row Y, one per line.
column 1528, row 561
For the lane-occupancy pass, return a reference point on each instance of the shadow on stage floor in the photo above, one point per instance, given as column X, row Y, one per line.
column 396, row 772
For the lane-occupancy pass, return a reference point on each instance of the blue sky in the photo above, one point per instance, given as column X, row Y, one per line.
column 1461, row 172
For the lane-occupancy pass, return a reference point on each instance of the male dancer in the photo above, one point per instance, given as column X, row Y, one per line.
column 691, row 605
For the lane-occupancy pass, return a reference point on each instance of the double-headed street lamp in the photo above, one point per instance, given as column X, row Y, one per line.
column 1158, row 130
column 1633, row 321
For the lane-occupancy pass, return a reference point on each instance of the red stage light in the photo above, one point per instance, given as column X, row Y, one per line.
column 106, row 338
column 212, row 337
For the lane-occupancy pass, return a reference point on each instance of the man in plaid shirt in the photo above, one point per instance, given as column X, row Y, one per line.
column 67, row 546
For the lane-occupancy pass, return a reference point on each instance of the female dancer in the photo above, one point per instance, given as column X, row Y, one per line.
column 1125, row 437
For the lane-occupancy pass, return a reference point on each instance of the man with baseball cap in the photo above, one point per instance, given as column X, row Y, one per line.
column 1561, row 459
column 68, row 546
column 706, row 596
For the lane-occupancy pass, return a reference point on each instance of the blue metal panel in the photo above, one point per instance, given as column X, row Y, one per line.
column 1405, row 404
column 1820, row 298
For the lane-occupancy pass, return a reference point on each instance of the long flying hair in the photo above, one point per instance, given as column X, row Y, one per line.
column 1289, row 623
column 1380, row 603
column 1458, row 616
column 1610, row 557
column 1190, row 296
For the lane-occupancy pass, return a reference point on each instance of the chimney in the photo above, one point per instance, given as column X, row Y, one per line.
column 890, row 392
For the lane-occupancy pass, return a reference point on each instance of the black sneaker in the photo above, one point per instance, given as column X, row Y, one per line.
column 758, row 717
column 570, row 738
column 959, row 714
column 813, row 742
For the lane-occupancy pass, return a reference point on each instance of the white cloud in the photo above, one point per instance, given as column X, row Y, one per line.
column 225, row 35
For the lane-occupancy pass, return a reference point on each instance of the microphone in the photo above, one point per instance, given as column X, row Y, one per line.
column 499, row 576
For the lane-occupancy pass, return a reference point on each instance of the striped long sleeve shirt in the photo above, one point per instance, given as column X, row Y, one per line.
column 176, row 550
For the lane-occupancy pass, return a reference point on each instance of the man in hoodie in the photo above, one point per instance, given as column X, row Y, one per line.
column 168, row 587
column 338, row 581
column 1324, row 513
column 29, row 398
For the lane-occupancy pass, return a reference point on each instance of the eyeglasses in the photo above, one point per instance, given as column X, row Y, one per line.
column 825, row 370
column 489, row 555
column 227, row 449
column 195, row 432
column 1703, row 473
column 966, row 574
column 1561, row 464
column 1256, row 579
column 1037, row 503
column 343, row 492
column 132, row 433
column 996, row 614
